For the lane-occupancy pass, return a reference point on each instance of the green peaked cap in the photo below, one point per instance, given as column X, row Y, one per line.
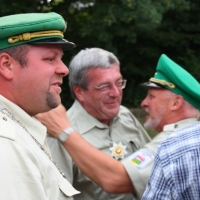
column 176, row 79
column 38, row 28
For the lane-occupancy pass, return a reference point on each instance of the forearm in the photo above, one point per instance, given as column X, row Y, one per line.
column 101, row 168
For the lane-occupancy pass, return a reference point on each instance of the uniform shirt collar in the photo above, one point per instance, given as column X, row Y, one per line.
column 34, row 127
column 179, row 124
column 85, row 121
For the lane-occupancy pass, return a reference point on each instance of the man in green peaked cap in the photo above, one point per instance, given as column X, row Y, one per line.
column 171, row 76
column 31, row 72
column 175, row 173
column 168, row 112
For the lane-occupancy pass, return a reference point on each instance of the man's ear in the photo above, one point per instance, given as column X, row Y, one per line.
column 78, row 92
column 177, row 102
column 6, row 66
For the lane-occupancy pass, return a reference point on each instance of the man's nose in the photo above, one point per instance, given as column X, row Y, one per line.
column 62, row 69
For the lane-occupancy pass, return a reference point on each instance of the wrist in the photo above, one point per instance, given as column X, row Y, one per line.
column 63, row 136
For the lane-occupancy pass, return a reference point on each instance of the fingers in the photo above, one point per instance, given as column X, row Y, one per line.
column 55, row 120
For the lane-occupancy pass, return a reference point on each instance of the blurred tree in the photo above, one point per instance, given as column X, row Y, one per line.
column 9, row 7
column 178, row 36
column 137, row 31
column 120, row 26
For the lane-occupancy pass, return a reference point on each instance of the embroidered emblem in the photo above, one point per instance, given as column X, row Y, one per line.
column 118, row 150
column 141, row 158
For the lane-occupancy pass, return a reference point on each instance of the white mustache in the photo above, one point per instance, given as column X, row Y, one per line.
column 147, row 110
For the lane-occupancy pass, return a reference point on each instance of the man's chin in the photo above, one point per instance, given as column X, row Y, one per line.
column 149, row 124
column 53, row 101
column 113, row 114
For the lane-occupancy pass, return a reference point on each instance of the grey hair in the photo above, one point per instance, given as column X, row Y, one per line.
column 190, row 110
column 85, row 60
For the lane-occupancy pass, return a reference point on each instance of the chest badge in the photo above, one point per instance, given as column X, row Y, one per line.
column 118, row 150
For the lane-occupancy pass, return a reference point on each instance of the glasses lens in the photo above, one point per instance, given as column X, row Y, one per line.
column 124, row 84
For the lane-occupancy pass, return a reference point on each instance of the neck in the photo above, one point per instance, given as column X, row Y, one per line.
column 106, row 122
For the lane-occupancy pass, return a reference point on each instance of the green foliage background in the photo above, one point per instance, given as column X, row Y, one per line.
column 137, row 31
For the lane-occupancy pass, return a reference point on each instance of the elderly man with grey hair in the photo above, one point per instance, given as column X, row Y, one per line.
column 97, row 86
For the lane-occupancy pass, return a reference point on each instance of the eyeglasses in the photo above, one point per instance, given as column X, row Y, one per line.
column 106, row 87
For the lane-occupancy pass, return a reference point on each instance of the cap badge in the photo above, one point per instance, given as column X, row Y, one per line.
column 118, row 150
column 162, row 82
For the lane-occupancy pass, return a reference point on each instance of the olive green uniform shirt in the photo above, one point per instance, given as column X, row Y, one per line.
column 139, row 164
column 124, row 128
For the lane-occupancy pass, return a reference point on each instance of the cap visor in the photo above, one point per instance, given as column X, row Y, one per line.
column 151, row 84
column 66, row 45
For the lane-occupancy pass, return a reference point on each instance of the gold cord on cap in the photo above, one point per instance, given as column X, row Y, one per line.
column 28, row 36
column 162, row 82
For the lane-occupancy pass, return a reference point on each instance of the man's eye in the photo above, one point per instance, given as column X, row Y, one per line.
column 151, row 96
column 119, row 84
column 50, row 59
column 104, row 87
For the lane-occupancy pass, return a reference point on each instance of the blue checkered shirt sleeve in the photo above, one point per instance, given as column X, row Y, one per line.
column 176, row 170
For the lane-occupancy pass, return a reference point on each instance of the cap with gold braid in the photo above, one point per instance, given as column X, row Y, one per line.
column 35, row 28
column 173, row 77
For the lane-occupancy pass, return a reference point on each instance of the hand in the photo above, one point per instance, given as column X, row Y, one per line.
column 55, row 120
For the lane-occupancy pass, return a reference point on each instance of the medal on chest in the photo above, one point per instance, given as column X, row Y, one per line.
column 118, row 150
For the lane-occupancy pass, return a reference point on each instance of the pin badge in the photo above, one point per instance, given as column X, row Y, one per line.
column 118, row 150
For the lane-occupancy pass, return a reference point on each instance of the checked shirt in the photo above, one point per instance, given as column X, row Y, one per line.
column 176, row 171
